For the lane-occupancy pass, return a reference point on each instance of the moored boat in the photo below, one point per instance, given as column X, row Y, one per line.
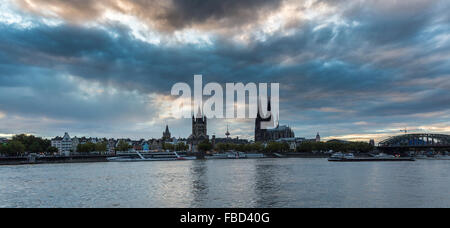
column 340, row 157
column 236, row 155
column 164, row 156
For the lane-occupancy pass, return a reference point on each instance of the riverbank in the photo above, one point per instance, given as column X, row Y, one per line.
column 99, row 158
column 103, row 158
column 51, row 160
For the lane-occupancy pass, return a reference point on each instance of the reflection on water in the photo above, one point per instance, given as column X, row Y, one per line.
column 228, row 183
column 199, row 179
column 267, row 186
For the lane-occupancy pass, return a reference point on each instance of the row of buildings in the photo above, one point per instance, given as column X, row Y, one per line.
column 200, row 134
column 67, row 145
column 262, row 135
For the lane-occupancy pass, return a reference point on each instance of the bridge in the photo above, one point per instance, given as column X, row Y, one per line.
column 416, row 142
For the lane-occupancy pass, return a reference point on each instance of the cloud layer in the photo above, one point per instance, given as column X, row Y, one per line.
column 345, row 67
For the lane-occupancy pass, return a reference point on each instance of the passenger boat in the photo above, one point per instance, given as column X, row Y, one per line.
column 242, row 155
column 163, row 156
column 340, row 157
column 218, row 156
column 235, row 155
column 255, row 155
column 382, row 155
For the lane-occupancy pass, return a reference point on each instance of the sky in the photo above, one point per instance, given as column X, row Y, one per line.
column 353, row 70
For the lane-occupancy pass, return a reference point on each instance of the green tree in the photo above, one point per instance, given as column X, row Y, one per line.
column 168, row 146
column 15, row 148
column 204, row 146
column 273, row 147
column 4, row 149
column 32, row 143
column 123, row 146
column 258, row 147
column 221, row 147
column 86, row 148
column 101, row 147
column 306, row 147
column 35, row 147
column 181, row 147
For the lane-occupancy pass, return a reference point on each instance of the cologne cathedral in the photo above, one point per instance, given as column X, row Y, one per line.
column 267, row 135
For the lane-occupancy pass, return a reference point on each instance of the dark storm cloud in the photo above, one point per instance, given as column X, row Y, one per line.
column 166, row 15
column 426, row 102
column 338, row 74
column 37, row 69
column 393, row 22
column 186, row 13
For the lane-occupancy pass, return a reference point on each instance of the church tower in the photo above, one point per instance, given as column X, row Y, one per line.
column 199, row 125
column 166, row 134
column 199, row 130
column 264, row 132
column 260, row 133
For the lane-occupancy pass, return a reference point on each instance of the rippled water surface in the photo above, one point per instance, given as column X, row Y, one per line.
column 228, row 183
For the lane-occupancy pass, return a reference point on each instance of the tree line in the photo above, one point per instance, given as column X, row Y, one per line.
column 90, row 147
column 283, row 147
column 21, row 144
column 358, row 147
column 272, row 147
column 176, row 147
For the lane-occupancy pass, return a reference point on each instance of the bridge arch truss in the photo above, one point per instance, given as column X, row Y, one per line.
column 417, row 140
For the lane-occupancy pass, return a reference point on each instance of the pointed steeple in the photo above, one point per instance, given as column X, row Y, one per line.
column 258, row 115
column 166, row 133
column 199, row 113
column 278, row 119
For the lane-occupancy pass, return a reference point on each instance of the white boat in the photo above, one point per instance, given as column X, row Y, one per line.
column 236, row 155
column 165, row 156
column 349, row 155
column 255, row 155
column 383, row 155
column 337, row 155
column 218, row 156
column 340, row 157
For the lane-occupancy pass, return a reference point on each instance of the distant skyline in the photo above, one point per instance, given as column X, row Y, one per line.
column 352, row 70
